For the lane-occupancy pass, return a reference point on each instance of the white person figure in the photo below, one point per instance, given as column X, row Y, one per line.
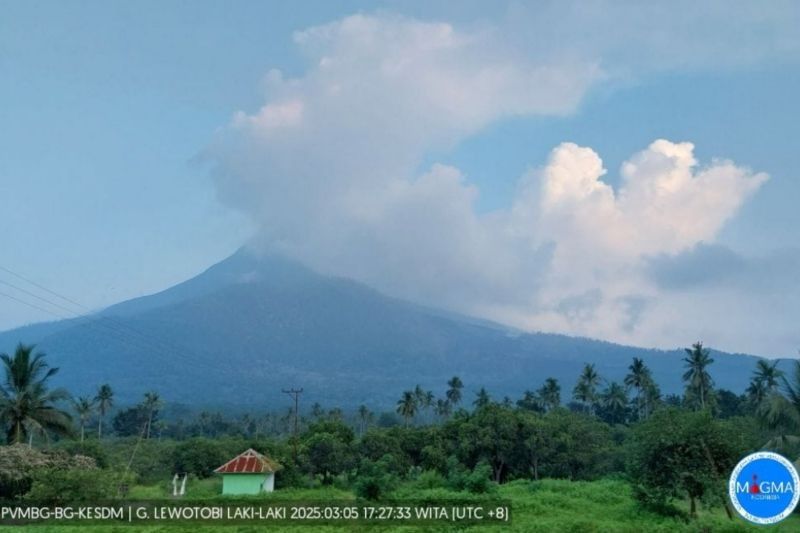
column 175, row 484
column 183, row 484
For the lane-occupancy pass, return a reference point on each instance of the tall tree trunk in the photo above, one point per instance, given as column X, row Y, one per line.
column 692, row 507
column 100, row 428
column 82, row 432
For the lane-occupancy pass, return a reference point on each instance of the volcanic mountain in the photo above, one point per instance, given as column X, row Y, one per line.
column 253, row 324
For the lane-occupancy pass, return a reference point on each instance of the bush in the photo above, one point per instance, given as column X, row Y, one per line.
column 430, row 479
column 375, row 480
column 19, row 464
column 87, row 448
column 477, row 481
column 55, row 485
column 198, row 456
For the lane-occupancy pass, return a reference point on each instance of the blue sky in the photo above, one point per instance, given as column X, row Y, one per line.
column 112, row 115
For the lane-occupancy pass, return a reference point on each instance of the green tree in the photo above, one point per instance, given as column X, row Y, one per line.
column 768, row 373
column 780, row 412
column 326, row 455
column 407, row 406
column 454, row 390
column 364, row 416
column 550, row 394
column 640, row 378
column 614, row 400
column 699, row 385
column 482, row 398
column 535, row 441
column 491, row 435
column 84, row 408
column 678, row 455
column 443, row 409
column 585, row 390
column 27, row 406
column 530, row 401
column 105, row 401
column 764, row 383
column 151, row 404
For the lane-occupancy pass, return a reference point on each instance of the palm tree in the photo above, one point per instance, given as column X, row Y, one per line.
column 550, row 394
column 454, row 391
column 640, row 379
column 84, row 407
column 424, row 399
column 26, row 404
column 482, row 399
column 443, row 409
column 317, row 411
column 781, row 412
column 429, row 401
column 615, row 401
column 363, row 416
column 105, row 401
column 407, row 406
column 698, row 381
column 768, row 374
column 585, row 390
column 152, row 401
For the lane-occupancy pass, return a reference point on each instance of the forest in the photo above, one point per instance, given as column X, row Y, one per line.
column 666, row 458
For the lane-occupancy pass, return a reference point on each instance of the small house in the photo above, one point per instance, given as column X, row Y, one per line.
column 248, row 473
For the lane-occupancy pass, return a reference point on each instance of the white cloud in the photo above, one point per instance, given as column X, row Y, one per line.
column 327, row 169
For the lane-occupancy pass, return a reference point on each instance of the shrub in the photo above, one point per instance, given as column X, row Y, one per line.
column 375, row 479
column 198, row 456
column 477, row 481
column 19, row 464
column 55, row 485
column 88, row 448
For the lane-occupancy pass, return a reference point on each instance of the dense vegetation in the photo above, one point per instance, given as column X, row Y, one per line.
column 670, row 455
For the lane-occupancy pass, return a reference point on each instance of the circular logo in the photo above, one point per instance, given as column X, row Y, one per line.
column 764, row 488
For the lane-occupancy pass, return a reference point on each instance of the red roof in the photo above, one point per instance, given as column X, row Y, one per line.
column 249, row 462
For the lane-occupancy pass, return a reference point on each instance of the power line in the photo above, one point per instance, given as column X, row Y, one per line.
column 149, row 342
column 29, row 293
column 45, row 289
column 296, row 394
column 33, row 305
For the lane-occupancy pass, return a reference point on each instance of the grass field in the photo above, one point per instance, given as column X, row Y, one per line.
column 545, row 506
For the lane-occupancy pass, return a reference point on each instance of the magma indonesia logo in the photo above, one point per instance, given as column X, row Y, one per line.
column 764, row 488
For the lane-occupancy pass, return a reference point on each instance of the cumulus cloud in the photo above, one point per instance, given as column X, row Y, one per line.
column 328, row 168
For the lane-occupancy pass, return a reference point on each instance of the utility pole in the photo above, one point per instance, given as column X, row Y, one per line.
column 296, row 394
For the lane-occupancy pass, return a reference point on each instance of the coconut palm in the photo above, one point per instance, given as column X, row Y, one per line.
column 152, row 401
column 585, row 390
column 768, row 374
column 614, row 400
column 84, row 407
column 550, row 394
column 454, row 391
column 105, row 401
column 424, row 398
column 443, row 409
column 780, row 411
column 640, row 379
column 407, row 406
column 482, row 399
column 699, row 385
column 364, row 416
column 26, row 404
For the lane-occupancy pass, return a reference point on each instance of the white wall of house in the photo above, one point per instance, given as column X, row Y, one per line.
column 269, row 483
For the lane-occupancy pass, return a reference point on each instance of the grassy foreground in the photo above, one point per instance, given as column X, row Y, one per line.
column 544, row 506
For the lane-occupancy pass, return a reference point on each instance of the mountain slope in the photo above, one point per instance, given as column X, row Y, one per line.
column 249, row 326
